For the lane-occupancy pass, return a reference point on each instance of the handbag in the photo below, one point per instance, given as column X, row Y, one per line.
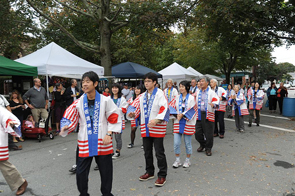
column 267, row 103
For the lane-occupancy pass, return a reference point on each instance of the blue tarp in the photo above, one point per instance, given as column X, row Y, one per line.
column 131, row 70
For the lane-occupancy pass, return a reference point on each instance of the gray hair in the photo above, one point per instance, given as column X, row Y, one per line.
column 170, row 80
column 238, row 86
column 73, row 80
column 214, row 80
column 204, row 78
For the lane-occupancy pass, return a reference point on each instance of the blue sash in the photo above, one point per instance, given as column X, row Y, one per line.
column 92, row 128
column 199, row 102
column 147, row 106
column 182, row 121
column 167, row 95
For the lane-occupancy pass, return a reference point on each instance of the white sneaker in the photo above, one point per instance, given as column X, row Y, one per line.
column 116, row 155
column 186, row 164
column 176, row 164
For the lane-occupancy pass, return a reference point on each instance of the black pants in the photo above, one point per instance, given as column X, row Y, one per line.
column 280, row 100
column 272, row 102
column 257, row 112
column 158, row 143
column 219, row 118
column 204, row 132
column 105, row 165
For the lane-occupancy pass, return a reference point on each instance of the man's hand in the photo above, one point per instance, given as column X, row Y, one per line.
column 11, row 124
column 46, row 107
column 211, row 104
column 131, row 114
column 153, row 123
column 73, row 95
column 179, row 117
column 31, row 107
column 62, row 131
column 106, row 140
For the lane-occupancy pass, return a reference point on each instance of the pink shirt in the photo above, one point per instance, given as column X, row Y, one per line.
column 29, row 124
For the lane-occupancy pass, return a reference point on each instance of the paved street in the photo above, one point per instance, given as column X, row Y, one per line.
column 257, row 162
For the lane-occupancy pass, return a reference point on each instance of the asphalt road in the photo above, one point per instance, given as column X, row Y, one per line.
column 257, row 162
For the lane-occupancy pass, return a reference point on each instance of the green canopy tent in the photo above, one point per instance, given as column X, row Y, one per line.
column 12, row 68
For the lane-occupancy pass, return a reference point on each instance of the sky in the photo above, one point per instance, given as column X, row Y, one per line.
column 284, row 54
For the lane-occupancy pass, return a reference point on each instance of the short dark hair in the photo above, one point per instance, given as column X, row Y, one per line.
column 57, row 85
column 91, row 75
column 141, row 90
column 151, row 76
column 106, row 88
column 73, row 80
column 117, row 85
column 186, row 84
column 230, row 86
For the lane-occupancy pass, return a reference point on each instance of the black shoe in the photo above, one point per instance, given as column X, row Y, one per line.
column 257, row 125
column 249, row 125
column 96, row 167
column 208, row 152
column 73, row 169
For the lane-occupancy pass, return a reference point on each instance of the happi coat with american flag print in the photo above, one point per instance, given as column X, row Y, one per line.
column 239, row 103
column 186, row 126
column 134, row 122
column 159, row 110
column 221, row 92
column 122, row 106
column 109, row 120
column 212, row 98
column 255, row 103
column 5, row 129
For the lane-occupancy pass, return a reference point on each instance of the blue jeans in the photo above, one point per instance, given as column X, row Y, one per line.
column 187, row 141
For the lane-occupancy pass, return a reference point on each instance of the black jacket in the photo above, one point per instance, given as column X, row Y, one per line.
column 67, row 95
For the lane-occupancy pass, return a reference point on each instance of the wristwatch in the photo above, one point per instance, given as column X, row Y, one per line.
column 109, row 134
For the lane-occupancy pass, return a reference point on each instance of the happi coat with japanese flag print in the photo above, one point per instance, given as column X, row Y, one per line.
column 122, row 106
column 211, row 97
column 255, row 103
column 5, row 129
column 187, row 124
column 149, row 107
column 106, row 117
column 239, row 103
column 221, row 92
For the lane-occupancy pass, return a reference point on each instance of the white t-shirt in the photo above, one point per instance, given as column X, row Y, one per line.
column 74, row 92
column 3, row 101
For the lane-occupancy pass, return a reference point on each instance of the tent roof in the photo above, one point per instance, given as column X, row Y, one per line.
column 214, row 77
column 12, row 68
column 176, row 71
column 131, row 70
column 56, row 61
column 195, row 71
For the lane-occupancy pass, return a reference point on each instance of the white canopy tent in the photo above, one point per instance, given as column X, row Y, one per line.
column 177, row 73
column 195, row 72
column 54, row 60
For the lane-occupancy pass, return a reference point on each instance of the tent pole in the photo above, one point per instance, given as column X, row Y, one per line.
column 47, row 85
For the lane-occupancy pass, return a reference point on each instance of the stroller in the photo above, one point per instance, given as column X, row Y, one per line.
column 38, row 132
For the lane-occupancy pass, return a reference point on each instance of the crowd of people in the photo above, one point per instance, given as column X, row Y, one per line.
column 196, row 107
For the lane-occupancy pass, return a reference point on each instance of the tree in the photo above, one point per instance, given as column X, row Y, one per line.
column 15, row 26
column 108, row 16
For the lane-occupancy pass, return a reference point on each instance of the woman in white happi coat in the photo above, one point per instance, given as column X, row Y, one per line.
column 122, row 104
column 229, row 92
column 255, row 97
column 13, row 178
column 238, row 102
column 184, row 108
column 207, row 100
column 98, row 118
column 220, row 110
column 134, row 122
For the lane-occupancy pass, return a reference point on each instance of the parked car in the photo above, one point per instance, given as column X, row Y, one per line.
column 287, row 85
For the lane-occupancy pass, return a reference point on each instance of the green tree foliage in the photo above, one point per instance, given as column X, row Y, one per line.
column 105, row 18
column 16, row 28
